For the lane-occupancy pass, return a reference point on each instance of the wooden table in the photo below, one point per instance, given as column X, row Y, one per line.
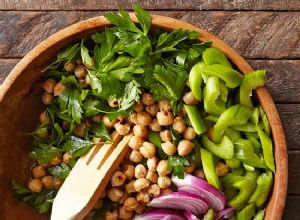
column 265, row 32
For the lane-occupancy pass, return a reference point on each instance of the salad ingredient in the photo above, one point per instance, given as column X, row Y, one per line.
column 195, row 80
column 246, row 213
column 195, row 118
column 215, row 56
column 225, row 213
column 209, row 215
column 190, row 215
column 158, row 214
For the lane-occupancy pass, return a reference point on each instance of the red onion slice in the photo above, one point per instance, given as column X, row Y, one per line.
column 216, row 198
column 190, row 216
column 194, row 203
column 225, row 213
column 160, row 214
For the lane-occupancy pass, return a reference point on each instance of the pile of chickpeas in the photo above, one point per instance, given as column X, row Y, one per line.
column 142, row 175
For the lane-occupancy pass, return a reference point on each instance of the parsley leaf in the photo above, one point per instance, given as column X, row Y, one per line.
column 130, row 95
column 44, row 153
column 144, row 18
column 100, row 130
column 177, row 163
column 86, row 58
column 77, row 146
column 61, row 171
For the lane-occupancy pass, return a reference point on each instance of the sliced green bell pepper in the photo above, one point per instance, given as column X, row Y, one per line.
column 235, row 115
column 224, row 150
column 265, row 121
column 251, row 81
column 195, row 80
column 233, row 163
column 231, row 77
column 213, row 55
column 232, row 134
column 210, row 215
column 195, row 118
column 209, row 168
column 246, row 213
column 259, row 215
column 223, row 90
column 255, row 116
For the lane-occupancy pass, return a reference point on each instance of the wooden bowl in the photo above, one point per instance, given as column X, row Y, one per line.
column 20, row 107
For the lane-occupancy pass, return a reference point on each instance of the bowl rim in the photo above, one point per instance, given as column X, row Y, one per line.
column 277, row 200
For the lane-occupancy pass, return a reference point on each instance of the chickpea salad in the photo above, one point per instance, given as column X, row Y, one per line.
column 201, row 147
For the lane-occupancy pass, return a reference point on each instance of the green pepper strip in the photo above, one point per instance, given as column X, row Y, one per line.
column 213, row 104
column 232, row 134
column 259, row 215
column 211, row 118
column 245, row 152
column 231, row 77
column 154, row 138
column 266, row 124
column 246, row 213
column 210, row 215
column 215, row 56
column 233, row 163
column 224, row 91
column 224, row 150
column 195, row 80
column 195, row 118
column 246, row 187
column 264, row 185
column 255, row 116
column 209, row 168
column 251, row 81
column 267, row 147
column 235, row 115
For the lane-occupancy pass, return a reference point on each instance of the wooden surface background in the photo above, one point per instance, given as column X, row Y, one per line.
column 265, row 32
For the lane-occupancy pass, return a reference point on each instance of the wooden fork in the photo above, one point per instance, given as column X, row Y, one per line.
column 88, row 179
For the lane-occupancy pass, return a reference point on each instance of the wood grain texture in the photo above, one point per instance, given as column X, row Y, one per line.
column 6, row 65
column 294, row 175
column 255, row 35
column 150, row 4
column 292, row 210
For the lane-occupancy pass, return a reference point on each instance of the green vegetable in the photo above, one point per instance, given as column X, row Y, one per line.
column 154, row 138
column 255, row 116
column 246, row 213
column 233, row 163
column 266, row 124
column 77, row 146
column 44, row 153
column 209, row 168
column 176, row 163
column 251, row 81
column 210, row 215
column 215, row 56
column 195, row 118
column 195, row 80
column 259, row 215
column 224, row 150
column 235, row 115
column 266, row 143
column 100, row 130
column 60, row 171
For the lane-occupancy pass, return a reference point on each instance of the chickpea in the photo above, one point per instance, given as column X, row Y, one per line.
column 152, row 163
column 130, row 186
column 162, row 168
column 38, row 171
column 199, row 173
column 118, row 179
column 210, row 132
column 48, row 85
column 97, row 118
column 185, row 147
column 166, row 191
column 69, row 66
column 189, row 134
column 147, row 99
column 44, row 118
column 169, row 148
column 221, row 169
column 164, row 106
column 130, row 204
column 189, row 98
column 98, row 204
column 165, row 136
column 66, row 125
column 109, row 123
column 141, row 184
column 78, row 61
column 138, row 107
column 181, row 113
column 80, row 72
column 128, row 171
column 121, row 118
column 57, row 183
column 133, row 118
column 143, row 197
column 124, row 197
column 154, row 126
column 140, row 131
column 143, row 118
column 47, row 98
column 136, row 142
column 148, row 150
column 153, row 190
column 152, row 176
column 179, row 125
column 124, row 214
column 48, row 182
column 56, row 160
column 163, row 182
column 190, row 168
column 87, row 79
column 164, row 118
column 140, row 171
column 111, row 214
column 79, row 131
column 66, row 157
column 152, row 109
column 35, row 185
column 140, row 209
column 114, row 194
column 136, row 156
column 113, row 103
column 122, row 128
column 59, row 88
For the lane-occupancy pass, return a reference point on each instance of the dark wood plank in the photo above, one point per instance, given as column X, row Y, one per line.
column 294, row 173
column 6, row 65
column 151, row 4
column 292, row 210
column 267, row 35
